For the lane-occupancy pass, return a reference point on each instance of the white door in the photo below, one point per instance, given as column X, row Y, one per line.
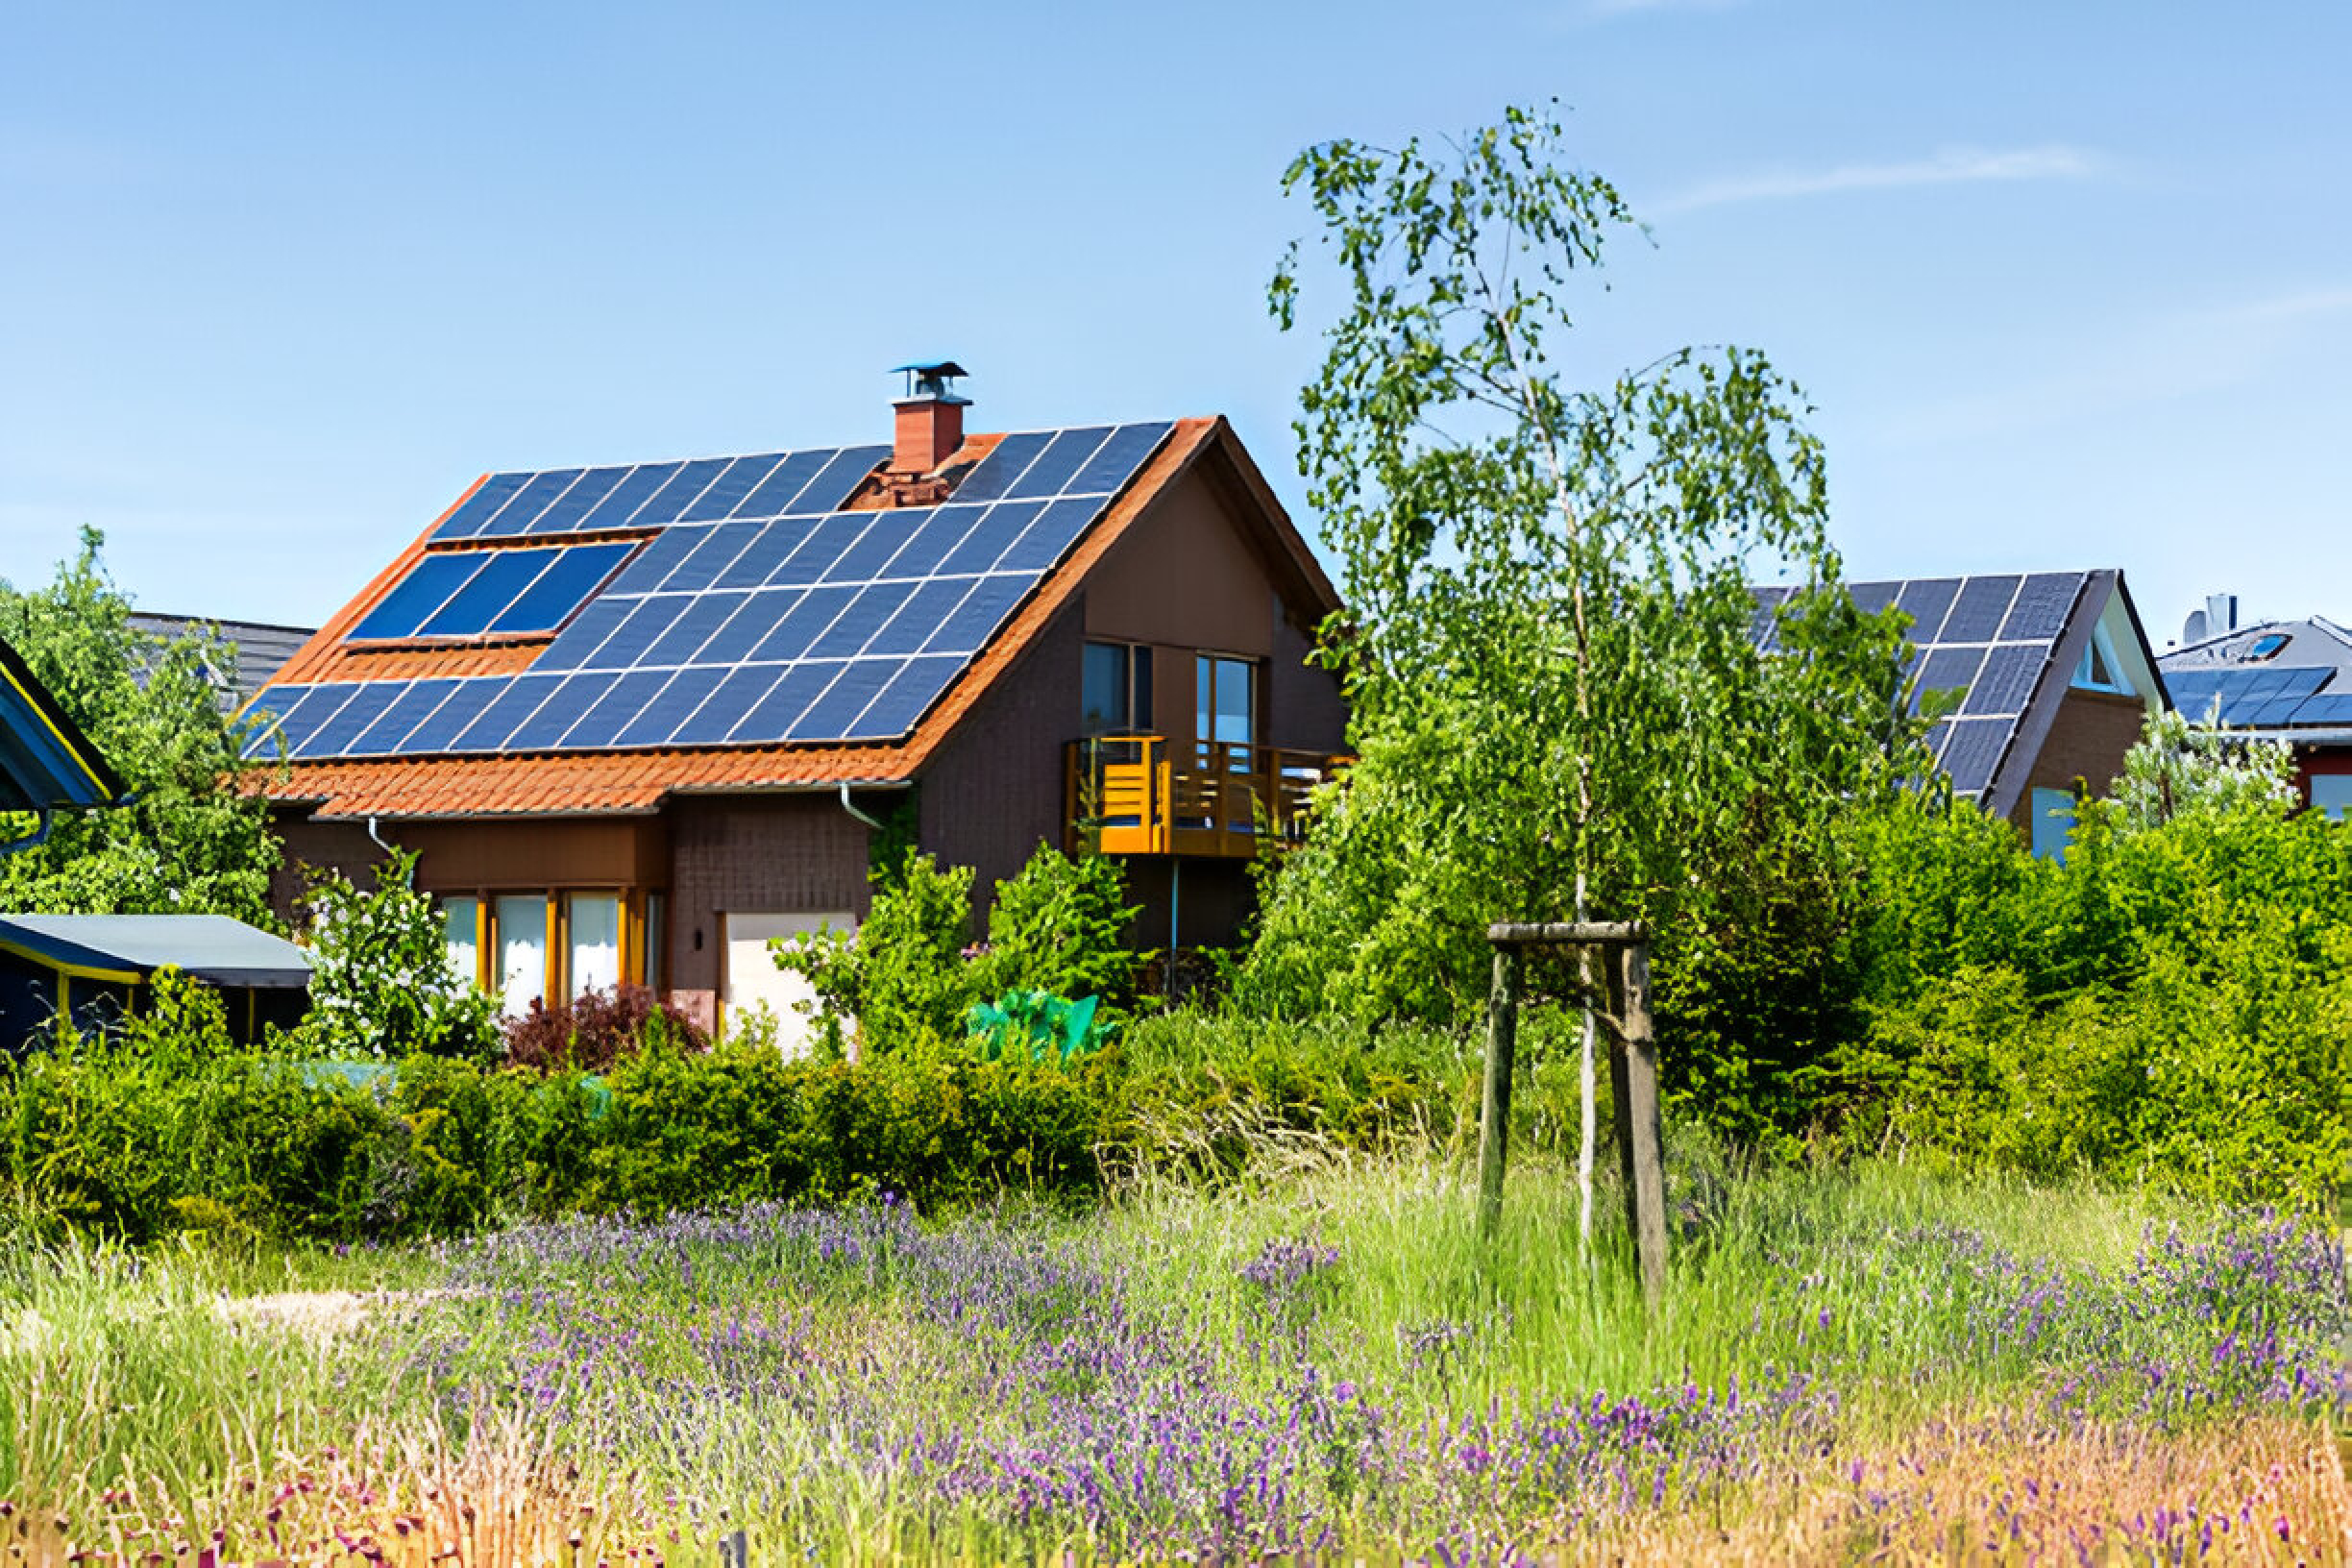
column 754, row 980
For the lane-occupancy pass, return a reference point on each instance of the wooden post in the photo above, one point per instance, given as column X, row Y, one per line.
column 1634, row 1080
column 1494, row 1118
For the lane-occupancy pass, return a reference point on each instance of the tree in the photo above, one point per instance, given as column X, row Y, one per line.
column 191, row 841
column 1560, row 709
column 381, row 981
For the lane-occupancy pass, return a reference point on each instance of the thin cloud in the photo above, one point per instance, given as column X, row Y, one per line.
column 1954, row 166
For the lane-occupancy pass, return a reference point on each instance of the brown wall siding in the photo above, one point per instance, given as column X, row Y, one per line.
column 1184, row 575
column 993, row 791
column 2087, row 741
column 1308, row 711
column 341, row 847
column 756, row 854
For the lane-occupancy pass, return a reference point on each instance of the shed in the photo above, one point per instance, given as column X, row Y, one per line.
column 95, row 968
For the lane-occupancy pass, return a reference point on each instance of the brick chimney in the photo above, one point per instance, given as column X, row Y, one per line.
column 930, row 417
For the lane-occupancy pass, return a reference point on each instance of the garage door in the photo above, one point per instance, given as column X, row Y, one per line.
column 752, row 978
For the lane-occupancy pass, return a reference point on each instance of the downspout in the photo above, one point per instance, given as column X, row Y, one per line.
column 389, row 851
column 850, row 806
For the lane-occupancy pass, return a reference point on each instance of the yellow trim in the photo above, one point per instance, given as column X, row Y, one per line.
column 80, row 971
column 39, row 712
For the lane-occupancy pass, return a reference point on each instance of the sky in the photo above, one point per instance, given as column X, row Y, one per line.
column 2068, row 287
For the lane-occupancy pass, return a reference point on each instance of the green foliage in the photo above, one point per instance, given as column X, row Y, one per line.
column 908, row 973
column 191, row 841
column 380, row 983
column 1037, row 1026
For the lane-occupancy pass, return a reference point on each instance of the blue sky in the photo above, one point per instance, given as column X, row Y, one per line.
column 2069, row 286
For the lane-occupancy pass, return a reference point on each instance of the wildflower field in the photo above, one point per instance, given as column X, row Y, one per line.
column 1326, row 1365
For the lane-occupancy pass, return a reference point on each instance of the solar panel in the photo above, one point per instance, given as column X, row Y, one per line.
column 1977, row 613
column 1974, row 751
column 2042, row 602
column 1869, row 597
column 1926, row 600
column 753, row 610
column 2007, row 679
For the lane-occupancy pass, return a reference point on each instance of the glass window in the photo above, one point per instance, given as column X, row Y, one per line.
column 1108, row 706
column 655, row 934
column 521, row 950
column 2098, row 671
column 2332, row 793
column 461, row 935
column 1225, row 703
column 2053, row 819
column 594, row 961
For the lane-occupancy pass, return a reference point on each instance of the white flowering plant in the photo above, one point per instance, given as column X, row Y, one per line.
column 381, row 981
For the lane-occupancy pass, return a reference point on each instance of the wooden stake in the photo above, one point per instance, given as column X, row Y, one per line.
column 1494, row 1118
column 1633, row 1079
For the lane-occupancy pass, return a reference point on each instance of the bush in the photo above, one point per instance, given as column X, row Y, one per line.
column 380, row 983
column 597, row 1029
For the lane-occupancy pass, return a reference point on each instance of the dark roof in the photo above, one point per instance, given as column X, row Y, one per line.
column 262, row 649
column 46, row 763
column 211, row 948
column 2009, row 642
column 2288, row 677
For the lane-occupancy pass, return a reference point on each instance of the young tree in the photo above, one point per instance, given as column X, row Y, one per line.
column 190, row 842
column 1559, row 708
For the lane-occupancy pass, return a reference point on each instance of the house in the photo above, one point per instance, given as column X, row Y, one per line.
column 47, row 765
column 638, row 720
column 2275, row 680
column 2054, row 677
column 258, row 648
column 96, row 969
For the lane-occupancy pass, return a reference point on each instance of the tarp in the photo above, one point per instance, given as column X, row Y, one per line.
column 46, row 763
column 211, row 948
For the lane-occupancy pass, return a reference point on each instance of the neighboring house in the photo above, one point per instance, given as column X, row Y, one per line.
column 2278, row 680
column 96, row 969
column 638, row 720
column 261, row 648
column 47, row 765
column 2057, row 677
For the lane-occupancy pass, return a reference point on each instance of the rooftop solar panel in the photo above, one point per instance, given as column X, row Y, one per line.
column 752, row 611
column 1974, row 751
column 1926, row 600
column 2039, row 610
column 1978, row 613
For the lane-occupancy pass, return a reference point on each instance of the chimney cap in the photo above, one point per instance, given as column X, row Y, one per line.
column 931, row 377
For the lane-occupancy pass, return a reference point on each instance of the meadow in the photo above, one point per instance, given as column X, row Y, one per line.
column 1316, row 1362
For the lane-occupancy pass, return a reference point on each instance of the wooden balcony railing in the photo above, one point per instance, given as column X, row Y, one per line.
column 1145, row 795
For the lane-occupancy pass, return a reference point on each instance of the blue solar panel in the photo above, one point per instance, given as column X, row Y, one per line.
column 916, row 686
column 1047, row 539
column 774, row 494
column 1869, row 597
column 1001, row 469
column 753, row 620
column 2327, row 708
column 736, row 482
column 923, row 612
column 2006, row 681
column 545, row 727
column 1059, row 463
column 1977, row 613
column 684, row 693
column 704, row 613
column 774, row 716
column 283, row 715
column 804, row 624
column 2044, row 601
column 930, row 540
column 578, row 642
column 833, row 715
column 333, row 737
column 1926, row 600
column 503, row 576
column 819, row 549
column 1948, row 669
column 626, row 647
column 990, row 537
column 775, row 540
column 521, row 697
column 569, row 579
column 392, row 726
column 601, row 721
column 576, row 502
column 1111, row 468
column 843, row 475
column 1974, row 751
column 717, row 552
column 670, row 503
column 481, row 507
column 724, row 710
column 439, row 731
column 426, row 588
column 863, row 558
column 977, row 618
column 529, row 501
column 618, row 508
column 856, row 624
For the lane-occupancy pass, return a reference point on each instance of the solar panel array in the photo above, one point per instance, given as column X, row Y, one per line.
column 2261, row 695
column 1989, row 638
column 755, row 613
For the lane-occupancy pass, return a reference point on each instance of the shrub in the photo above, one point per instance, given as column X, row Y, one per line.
column 1060, row 926
column 380, row 983
column 597, row 1029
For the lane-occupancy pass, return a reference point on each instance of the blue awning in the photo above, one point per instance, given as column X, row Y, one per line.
column 211, row 948
column 46, row 763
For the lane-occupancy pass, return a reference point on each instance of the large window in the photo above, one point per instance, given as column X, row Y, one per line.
column 1118, row 688
column 461, row 935
column 592, row 936
column 2053, row 820
column 520, row 935
column 1225, row 703
column 2332, row 793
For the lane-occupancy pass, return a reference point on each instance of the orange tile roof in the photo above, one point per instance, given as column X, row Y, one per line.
column 608, row 782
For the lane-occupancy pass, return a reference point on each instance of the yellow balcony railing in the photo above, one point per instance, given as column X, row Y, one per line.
column 1145, row 795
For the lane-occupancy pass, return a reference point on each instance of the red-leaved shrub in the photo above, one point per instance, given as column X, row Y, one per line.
column 596, row 1029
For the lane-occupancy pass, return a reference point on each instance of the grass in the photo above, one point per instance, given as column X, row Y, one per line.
column 1327, row 1360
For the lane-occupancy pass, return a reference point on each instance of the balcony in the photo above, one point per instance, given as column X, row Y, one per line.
column 1145, row 794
